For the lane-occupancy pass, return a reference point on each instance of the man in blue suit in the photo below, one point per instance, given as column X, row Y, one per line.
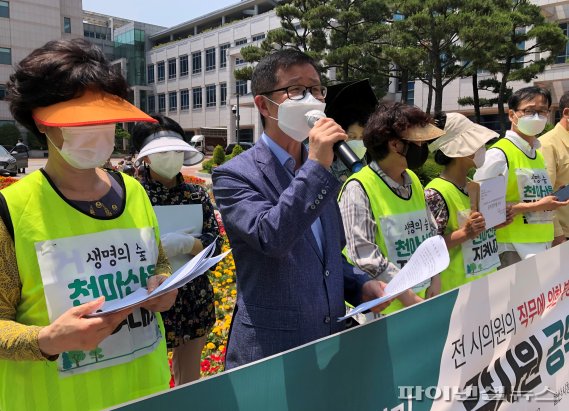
column 278, row 204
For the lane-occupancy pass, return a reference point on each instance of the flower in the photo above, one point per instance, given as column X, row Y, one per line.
column 210, row 346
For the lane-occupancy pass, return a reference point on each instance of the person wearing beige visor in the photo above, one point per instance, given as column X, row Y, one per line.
column 473, row 249
column 383, row 207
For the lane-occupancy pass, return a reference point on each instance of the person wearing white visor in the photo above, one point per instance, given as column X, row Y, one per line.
column 462, row 147
column 529, row 188
column 164, row 151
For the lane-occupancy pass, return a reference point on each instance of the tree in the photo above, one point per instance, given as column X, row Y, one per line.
column 76, row 357
column 492, row 85
column 9, row 134
column 96, row 354
column 441, row 35
column 218, row 156
column 530, row 44
column 66, row 362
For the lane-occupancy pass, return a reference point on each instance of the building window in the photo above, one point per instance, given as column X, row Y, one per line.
column 240, row 42
column 241, row 87
column 258, row 37
column 151, row 104
column 223, row 94
column 239, row 61
column 171, row 69
column 185, row 99
column 172, row 101
column 66, row 25
column 223, row 55
column 197, row 97
column 161, row 71
column 5, row 56
column 210, row 97
column 184, row 67
column 411, row 92
column 150, row 73
column 197, row 62
column 5, row 9
column 564, row 56
column 161, row 103
column 2, row 91
column 210, row 59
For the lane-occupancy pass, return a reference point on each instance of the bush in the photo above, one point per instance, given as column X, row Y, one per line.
column 428, row 171
column 207, row 165
column 218, row 155
column 236, row 150
column 9, row 135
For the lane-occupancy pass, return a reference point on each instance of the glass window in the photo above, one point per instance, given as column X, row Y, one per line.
column 258, row 37
column 197, row 62
column 185, row 99
column 411, row 92
column 172, row 101
column 171, row 69
column 5, row 56
column 151, row 104
column 161, row 103
column 5, row 9
column 2, row 91
column 150, row 73
column 564, row 56
column 161, row 71
column 239, row 61
column 66, row 25
column 210, row 59
column 223, row 55
column 184, row 68
column 210, row 97
column 241, row 87
column 240, row 42
column 197, row 97
column 223, row 94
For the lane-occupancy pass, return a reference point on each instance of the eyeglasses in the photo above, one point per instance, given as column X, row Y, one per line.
column 532, row 112
column 299, row 92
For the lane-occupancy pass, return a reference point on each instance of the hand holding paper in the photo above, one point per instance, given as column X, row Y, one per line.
column 429, row 259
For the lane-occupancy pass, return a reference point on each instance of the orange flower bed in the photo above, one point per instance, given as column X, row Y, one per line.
column 6, row 181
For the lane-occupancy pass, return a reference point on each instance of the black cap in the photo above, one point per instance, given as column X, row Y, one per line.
column 350, row 102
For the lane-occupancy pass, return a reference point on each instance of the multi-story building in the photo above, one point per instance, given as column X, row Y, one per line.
column 26, row 25
column 191, row 68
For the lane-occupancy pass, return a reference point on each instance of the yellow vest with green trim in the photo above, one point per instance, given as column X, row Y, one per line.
column 395, row 214
column 522, row 229
column 482, row 252
column 38, row 213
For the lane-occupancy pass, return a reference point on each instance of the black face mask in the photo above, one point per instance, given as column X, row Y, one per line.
column 416, row 155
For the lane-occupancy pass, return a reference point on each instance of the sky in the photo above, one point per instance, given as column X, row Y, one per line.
column 165, row 13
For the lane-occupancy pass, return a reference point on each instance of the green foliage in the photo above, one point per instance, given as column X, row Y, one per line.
column 218, row 155
column 96, row 354
column 428, row 171
column 9, row 134
column 237, row 149
column 243, row 73
column 208, row 165
column 121, row 133
column 76, row 357
column 34, row 143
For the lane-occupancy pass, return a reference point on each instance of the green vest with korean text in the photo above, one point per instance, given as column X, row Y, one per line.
column 58, row 269
column 527, row 181
column 401, row 224
column 474, row 258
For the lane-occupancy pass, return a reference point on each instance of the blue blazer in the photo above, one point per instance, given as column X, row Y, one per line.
column 288, row 292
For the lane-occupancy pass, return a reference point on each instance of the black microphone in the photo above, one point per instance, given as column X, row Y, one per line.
column 341, row 149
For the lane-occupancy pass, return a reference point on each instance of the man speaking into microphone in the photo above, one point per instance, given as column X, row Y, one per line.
column 278, row 204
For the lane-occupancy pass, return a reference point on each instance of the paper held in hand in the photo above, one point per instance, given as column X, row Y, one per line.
column 429, row 259
column 489, row 198
column 192, row 269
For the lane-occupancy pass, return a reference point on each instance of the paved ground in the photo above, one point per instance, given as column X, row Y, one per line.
column 37, row 163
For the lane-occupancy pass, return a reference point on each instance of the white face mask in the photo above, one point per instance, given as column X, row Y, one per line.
column 479, row 157
column 87, row 146
column 167, row 164
column 531, row 125
column 292, row 120
column 357, row 147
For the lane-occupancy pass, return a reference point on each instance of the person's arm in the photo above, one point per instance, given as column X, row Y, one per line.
column 360, row 229
column 550, row 157
column 210, row 228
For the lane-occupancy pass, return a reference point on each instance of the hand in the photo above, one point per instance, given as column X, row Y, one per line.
column 177, row 243
column 373, row 289
column 409, row 298
column 435, row 287
column 474, row 225
column 509, row 216
column 322, row 137
column 72, row 331
column 560, row 239
column 548, row 203
column 163, row 302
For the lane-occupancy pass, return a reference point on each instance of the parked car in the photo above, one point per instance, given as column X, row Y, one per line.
column 21, row 153
column 244, row 145
column 8, row 165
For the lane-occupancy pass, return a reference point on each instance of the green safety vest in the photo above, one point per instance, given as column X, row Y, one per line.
column 474, row 258
column 39, row 213
column 402, row 224
column 527, row 181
